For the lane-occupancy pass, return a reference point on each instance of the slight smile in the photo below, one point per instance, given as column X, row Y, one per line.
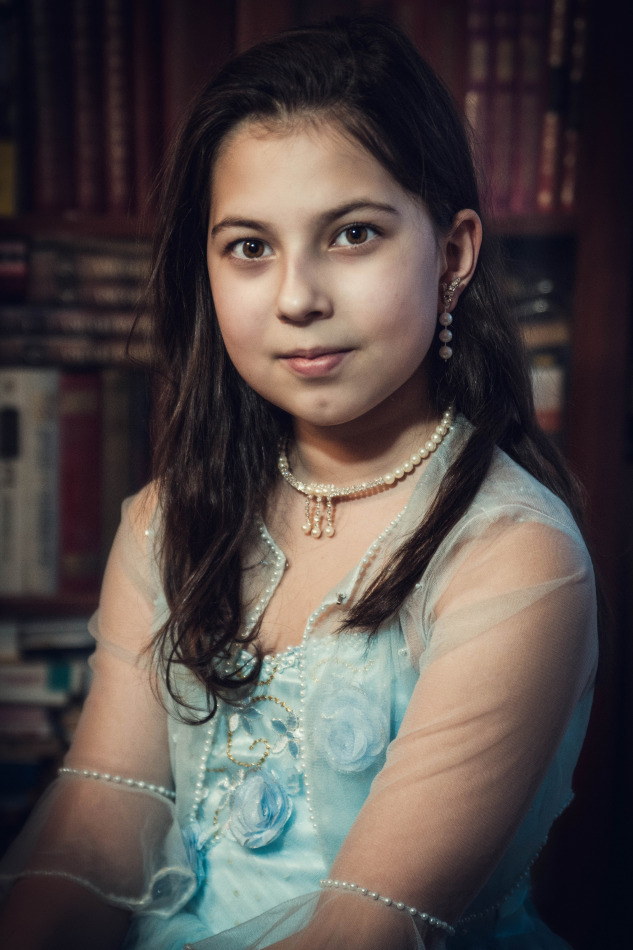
column 315, row 362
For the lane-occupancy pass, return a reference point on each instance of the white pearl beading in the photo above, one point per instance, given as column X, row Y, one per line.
column 328, row 883
column 298, row 658
column 316, row 493
column 120, row 780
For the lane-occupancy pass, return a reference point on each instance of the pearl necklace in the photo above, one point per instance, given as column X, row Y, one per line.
column 317, row 492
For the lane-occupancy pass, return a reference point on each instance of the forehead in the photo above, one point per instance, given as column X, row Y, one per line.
column 307, row 158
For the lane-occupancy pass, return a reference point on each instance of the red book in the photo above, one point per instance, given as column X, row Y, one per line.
column 550, row 163
column 148, row 127
column 118, row 105
column 49, row 56
column 88, row 137
column 571, row 131
column 502, row 111
column 530, row 102
column 478, row 78
column 80, row 470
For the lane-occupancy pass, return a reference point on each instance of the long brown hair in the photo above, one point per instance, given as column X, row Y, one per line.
column 216, row 444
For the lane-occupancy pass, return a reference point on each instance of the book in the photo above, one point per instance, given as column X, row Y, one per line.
column 9, row 649
column 77, row 351
column 118, row 105
column 12, row 411
column 573, row 117
column 69, row 321
column 549, row 172
column 50, row 132
column 502, row 101
column 39, row 483
column 80, row 472
column 478, row 79
column 88, row 135
column 8, row 110
column 44, row 634
column 530, row 104
column 87, row 273
column 42, row 683
column 13, row 270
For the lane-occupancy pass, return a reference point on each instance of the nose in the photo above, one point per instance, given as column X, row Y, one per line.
column 303, row 294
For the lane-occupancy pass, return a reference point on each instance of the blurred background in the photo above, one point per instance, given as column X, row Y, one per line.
column 91, row 92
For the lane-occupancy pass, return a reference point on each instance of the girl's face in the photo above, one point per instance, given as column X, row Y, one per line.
column 324, row 273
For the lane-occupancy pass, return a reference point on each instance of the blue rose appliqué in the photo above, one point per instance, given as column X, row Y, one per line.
column 352, row 729
column 260, row 809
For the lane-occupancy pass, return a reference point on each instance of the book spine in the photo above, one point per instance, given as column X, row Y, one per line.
column 40, row 482
column 148, row 94
column 71, row 351
column 117, row 450
column 531, row 76
column 12, row 410
column 14, row 270
column 505, row 42
column 551, row 134
column 118, row 105
column 80, row 481
column 51, row 108
column 42, row 683
column 66, row 321
column 571, row 132
column 478, row 77
column 87, row 103
column 8, row 110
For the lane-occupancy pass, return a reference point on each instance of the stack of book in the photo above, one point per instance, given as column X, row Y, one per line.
column 73, row 445
column 44, row 677
column 73, row 409
column 78, row 117
column 523, row 99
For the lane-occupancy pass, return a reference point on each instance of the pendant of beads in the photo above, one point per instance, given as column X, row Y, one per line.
column 316, row 495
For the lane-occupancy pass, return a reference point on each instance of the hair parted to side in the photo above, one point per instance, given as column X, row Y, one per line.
column 215, row 439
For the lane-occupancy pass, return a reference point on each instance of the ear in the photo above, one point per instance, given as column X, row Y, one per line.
column 460, row 249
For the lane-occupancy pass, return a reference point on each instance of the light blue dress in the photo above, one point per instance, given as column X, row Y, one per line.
column 256, row 804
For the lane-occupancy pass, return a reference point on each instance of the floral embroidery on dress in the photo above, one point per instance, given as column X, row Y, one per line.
column 260, row 809
column 353, row 730
column 250, row 799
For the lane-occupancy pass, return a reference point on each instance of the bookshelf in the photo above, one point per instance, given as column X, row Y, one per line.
column 177, row 43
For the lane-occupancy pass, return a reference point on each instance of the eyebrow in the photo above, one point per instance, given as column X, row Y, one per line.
column 328, row 217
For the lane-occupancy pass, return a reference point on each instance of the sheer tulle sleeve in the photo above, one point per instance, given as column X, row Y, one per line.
column 506, row 634
column 108, row 821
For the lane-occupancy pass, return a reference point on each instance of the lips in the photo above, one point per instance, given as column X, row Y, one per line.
column 314, row 362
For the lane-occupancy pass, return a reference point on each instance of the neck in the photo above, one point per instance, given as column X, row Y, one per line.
column 358, row 451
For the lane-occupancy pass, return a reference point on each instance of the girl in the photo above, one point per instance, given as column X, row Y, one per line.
column 346, row 640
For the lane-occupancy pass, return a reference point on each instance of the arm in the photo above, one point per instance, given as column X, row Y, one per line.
column 96, row 848
column 512, row 651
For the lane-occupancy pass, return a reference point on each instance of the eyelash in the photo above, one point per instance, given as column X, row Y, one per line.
column 356, row 225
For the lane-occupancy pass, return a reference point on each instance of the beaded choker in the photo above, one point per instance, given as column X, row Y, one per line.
column 317, row 493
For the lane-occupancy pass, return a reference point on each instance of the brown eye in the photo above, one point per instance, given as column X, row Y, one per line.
column 252, row 249
column 357, row 234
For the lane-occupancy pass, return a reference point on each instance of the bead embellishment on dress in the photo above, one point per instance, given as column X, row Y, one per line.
column 318, row 493
column 328, row 883
column 120, row 780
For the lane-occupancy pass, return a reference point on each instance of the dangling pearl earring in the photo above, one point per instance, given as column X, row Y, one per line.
column 445, row 319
